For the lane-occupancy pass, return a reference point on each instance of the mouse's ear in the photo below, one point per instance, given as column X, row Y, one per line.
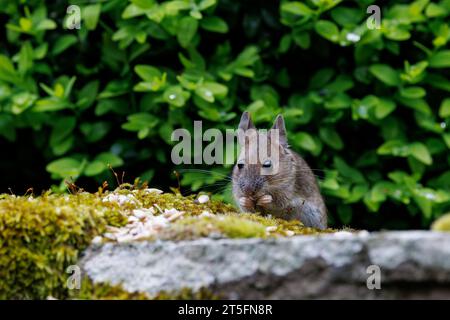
column 280, row 126
column 246, row 122
column 244, row 125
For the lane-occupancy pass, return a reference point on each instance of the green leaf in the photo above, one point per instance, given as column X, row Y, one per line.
column 132, row 10
column 385, row 74
column 302, row 39
column 331, row 138
column 357, row 193
column 425, row 206
column 440, row 59
column 208, row 91
column 91, row 14
column 446, row 137
column 339, row 101
column 330, row 181
column 96, row 131
column 397, row 32
column 25, row 24
column 214, row 24
column 46, row 24
column 419, row 151
column 434, row 10
column 25, row 58
column 218, row 90
column 68, row 87
column 420, row 105
column 63, row 43
column 61, row 129
column 305, row 141
column 186, row 31
column 174, row 6
column 296, row 8
column 50, row 104
column 66, row 167
column 414, row 73
column 22, row 101
column 348, row 172
column 108, row 158
column 444, row 110
column 63, row 146
column 361, row 109
column 394, row 147
column 327, row 29
column 321, row 78
column 88, row 94
column 205, row 93
column 346, row 16
column 147, row 73
column 378, row 194
column 94, row 168
column 7, row 71
column 438, row 81
column 155, row 84
column 205, row 4
column 413, row 92
column 40, row 51
column 384, row 107
column 285, row 43
column 342, row 83
column 143, row 133
column 176, row 96
column 140, row 121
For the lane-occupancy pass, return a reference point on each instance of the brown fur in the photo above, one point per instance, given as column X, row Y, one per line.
column 291, row 193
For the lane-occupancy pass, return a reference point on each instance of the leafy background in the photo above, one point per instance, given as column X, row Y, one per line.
column 368, row 109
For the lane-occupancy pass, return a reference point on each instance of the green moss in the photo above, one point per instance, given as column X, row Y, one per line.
column 40, row 237
column 188, row 294
column 177, row 201
column 103, row 291
column 235, row 225
column 221, row 225
column 284, row 227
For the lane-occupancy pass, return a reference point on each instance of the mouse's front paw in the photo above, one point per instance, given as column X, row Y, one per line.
column 264, row 200
column 246, row 203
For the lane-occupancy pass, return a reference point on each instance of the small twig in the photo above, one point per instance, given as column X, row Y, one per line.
column 123, row 177
column 72, row 187
column 115, row 175
column 31, row 190
column 177, row 175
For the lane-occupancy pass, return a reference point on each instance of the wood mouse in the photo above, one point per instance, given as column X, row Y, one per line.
column 289, row 192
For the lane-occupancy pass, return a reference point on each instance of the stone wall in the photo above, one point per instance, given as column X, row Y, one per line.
column 412, row 264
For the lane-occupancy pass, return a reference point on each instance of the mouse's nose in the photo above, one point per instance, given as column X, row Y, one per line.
column 250, row 187
column 247, row 189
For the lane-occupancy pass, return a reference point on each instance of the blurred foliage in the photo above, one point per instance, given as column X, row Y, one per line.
column 370, row 108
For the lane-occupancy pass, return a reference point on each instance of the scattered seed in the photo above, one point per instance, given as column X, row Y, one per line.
column 203, row 198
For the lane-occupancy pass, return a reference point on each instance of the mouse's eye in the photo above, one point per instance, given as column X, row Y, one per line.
column 240, row 165
column 267, row 164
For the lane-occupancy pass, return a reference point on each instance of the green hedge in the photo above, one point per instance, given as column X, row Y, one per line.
column 369, row 108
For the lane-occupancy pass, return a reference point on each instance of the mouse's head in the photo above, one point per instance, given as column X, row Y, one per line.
column 265, row 164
